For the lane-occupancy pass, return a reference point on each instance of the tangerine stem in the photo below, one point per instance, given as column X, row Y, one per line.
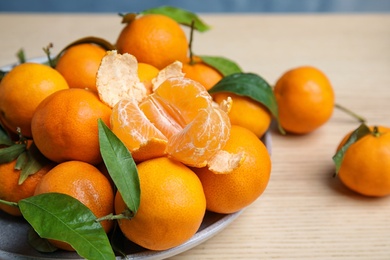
column 21, row 56
column 9, row 203
column 351, row 113
column 375, row 131
column 47, row 52
column 190, row 43
column 125, row 215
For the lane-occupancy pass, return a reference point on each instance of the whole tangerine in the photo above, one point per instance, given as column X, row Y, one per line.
column 154, row 39
column 246, row 112
column 83, row 182
column 65, row 126
column 79, row 65
column 21, row 91
column 365, row 167
column 171, row 209
column 201, row 72
column 231, row 192
column 305, row 99
column 11, row 190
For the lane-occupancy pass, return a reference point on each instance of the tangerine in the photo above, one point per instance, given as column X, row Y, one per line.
column 154, row 39
column 231, row 192
column 79, row 65
column 146, row 74
column 246, row 112
column 171, row 209
column 11, row 190
column 201, row 72
column 65, row 126
column 83, row 182
column 21, row 91
column 365, row 168
column 305, row 99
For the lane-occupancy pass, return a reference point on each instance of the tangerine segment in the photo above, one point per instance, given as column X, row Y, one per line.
column 201, row 139
column 135, row 130
column 185, row 96
column 178, row 120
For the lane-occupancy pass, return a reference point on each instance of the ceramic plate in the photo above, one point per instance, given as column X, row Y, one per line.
column 14, row 244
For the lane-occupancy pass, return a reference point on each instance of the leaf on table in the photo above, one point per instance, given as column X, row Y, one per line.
column 62, row 217
column 250, row 85
column 121, row 166
column 180, row 15
column 358, row 133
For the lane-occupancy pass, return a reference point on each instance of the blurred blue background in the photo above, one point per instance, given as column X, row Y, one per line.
column 205, row 6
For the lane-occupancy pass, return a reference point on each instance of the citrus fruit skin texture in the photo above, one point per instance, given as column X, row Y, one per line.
column 365, row 168
column 231, row 192
column 79, row 65
column 21, row 91
column 146, row 74
column 154, row 39
column 201, row 72
column 171, row 209
column 305, row 99
column 65, row 126
column 11, row 191
column 83, row 182
column 247, row 113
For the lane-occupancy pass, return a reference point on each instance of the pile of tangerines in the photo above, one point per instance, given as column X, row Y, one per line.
column 191, row 128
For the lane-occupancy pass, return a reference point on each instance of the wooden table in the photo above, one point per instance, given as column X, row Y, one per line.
column 304, row 213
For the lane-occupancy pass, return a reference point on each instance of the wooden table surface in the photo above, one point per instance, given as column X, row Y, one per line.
column 304, row 212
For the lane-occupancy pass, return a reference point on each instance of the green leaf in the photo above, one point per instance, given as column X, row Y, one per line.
column 38, row 243
column 180, row 15
column 358, row 133
column 35, row 161
column 121, row 166
column 5, row 139
column 250, row 85
column 10, row 153
column 21, row 56
column 223, row 65
column 62, row 217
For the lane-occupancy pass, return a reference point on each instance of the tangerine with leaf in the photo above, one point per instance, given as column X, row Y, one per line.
column 172, row 205
column 83, row 182
column 362, row 160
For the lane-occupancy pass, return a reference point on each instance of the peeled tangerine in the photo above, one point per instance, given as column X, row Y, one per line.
column 178, row 119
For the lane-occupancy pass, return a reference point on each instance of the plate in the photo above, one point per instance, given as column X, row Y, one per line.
column 14, row 244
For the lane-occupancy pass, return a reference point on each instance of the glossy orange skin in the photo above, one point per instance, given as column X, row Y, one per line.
column 154, row 39
column 83, row 182
column 22, row 90
column 365, row 168
column 79, row 65
column 231, row 192
column 11, row 191
column 65, row 126
column 305, row 99
column 171, row 209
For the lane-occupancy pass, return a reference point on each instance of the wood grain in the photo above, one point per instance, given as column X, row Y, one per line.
column 305, row 213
